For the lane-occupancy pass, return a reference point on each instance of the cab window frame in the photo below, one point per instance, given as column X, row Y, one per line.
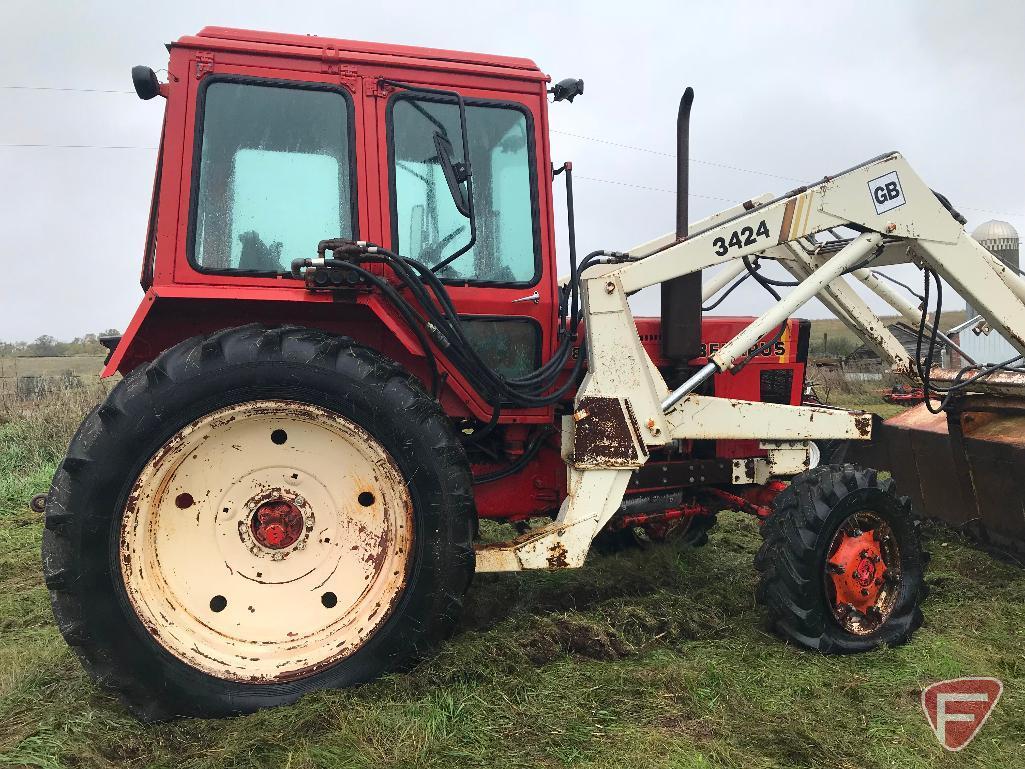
column 535, row 208
column 197, row 159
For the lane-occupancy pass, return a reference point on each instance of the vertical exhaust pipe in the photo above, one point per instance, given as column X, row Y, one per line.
column 683, row 163
column 681, row 297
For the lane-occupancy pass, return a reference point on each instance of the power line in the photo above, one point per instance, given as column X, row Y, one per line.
column 988, row 211
column 723, row 165
column 652, row 189
column 712, row 163
column 585, row 137
column 57, row 88
column 26, row 145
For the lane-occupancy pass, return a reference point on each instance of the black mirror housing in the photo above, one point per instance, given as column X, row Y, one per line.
column 455, row 173
column 567, row 90
column 145, row 81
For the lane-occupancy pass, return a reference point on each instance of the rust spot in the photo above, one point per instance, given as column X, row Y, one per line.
column 184, row 500
column 557, row 556
column 863, row 424
column 603, row 435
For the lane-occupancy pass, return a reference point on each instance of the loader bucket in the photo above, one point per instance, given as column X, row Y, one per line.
column 962, row 467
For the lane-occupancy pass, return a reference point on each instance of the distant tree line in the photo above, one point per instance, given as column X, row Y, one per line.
column 47, row 346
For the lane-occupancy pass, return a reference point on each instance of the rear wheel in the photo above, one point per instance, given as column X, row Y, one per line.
column 253, row 516
column 841, row 566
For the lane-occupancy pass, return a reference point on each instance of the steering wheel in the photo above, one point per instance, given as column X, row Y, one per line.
column 436, row 248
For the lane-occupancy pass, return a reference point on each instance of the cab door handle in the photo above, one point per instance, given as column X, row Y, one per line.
column 535, row 298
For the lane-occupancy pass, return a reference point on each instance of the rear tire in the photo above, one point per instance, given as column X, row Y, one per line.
column 841, row 565
column 100, row 570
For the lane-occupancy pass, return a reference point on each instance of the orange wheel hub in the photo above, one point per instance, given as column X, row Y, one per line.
column 277, row 524
column 858, row 571
column 862, row 572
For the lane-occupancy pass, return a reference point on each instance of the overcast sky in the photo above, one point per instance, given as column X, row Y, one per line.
column 786, row 91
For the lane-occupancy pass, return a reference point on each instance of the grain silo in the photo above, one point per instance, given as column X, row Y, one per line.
column 1001, row 240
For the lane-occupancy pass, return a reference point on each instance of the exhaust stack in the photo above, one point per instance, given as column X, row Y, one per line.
column 681, row 297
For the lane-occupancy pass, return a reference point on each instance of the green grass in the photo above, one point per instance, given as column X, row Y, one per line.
column 655, row 658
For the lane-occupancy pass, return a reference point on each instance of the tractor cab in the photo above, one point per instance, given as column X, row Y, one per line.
column 273, row 143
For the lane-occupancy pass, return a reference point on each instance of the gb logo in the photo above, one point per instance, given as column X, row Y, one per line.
column 886, row 192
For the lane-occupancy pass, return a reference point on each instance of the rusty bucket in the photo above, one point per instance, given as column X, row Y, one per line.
column 963, row 466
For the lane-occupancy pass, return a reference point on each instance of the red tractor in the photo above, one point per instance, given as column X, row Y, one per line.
column 354, row 345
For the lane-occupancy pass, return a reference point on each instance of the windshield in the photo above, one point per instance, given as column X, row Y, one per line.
column 275, row 175
column 428, row 224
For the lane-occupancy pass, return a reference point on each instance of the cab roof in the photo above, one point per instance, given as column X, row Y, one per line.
column 313, row 46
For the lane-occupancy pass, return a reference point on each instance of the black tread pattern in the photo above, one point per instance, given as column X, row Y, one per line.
column 792, row 557
column 194, row 377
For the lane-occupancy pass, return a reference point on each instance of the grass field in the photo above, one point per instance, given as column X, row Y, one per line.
column 86, row 367
column 656, row 658
column 842, row 338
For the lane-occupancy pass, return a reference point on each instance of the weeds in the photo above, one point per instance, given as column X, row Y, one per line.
column 34, row 436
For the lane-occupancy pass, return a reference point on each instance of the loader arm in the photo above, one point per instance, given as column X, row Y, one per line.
column 623, row 406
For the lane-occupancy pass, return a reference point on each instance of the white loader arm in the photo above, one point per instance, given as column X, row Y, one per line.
column 623, row 406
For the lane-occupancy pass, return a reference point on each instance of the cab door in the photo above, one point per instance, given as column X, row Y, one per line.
column 500, row 285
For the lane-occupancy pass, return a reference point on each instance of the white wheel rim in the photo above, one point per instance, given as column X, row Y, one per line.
column 240, row 600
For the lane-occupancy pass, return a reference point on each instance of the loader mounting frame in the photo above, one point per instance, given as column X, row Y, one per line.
column 624, row 406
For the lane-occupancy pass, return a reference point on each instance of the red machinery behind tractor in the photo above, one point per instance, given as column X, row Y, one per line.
column 283, row 491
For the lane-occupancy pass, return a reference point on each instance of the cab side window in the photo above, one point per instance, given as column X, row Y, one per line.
column 427, row 225
column 275, row 175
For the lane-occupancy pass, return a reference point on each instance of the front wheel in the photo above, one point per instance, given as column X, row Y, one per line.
column 255, row 515
column 841, row 565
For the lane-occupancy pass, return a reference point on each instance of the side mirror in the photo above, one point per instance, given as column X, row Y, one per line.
column 567, row 90
column 145, row 81
column 455, row 173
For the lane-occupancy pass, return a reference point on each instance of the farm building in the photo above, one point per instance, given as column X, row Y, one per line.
column 863, row 364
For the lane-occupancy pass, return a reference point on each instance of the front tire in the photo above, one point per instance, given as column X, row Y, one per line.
column 254, row 515
column 841, row 565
